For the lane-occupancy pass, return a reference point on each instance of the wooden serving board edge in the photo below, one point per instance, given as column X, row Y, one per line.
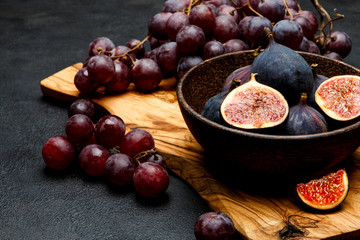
column 254, row 216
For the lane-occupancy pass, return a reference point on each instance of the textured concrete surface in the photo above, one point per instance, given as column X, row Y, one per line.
column 37, row 39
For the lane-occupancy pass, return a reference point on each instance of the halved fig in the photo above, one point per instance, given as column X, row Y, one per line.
column 325, row 193
column 339, row 97
column 254, row 105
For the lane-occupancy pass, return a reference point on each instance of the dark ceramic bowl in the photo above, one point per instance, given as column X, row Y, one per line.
column 238, row 151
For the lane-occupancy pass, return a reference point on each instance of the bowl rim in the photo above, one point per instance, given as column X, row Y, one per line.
column 191, row 111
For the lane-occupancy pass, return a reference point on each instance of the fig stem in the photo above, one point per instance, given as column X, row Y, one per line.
column 253, row 76
column 303, row 97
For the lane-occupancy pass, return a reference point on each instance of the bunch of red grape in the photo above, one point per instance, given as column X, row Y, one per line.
column 106, row 149
column 186, row 32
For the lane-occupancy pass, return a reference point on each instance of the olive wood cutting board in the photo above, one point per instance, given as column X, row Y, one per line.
column 255, row 216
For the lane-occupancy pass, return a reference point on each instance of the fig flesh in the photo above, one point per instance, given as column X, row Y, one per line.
column 318, row 79
column 254, row 105
column 325, row 193
column 339, row 97
column 283, row 69
column 304, row 119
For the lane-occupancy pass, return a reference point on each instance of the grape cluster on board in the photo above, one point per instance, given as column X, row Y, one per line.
column 105, row 148
column 126, row 159
column 186, row 32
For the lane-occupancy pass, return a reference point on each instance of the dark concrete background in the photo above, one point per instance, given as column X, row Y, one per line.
column 37, row 39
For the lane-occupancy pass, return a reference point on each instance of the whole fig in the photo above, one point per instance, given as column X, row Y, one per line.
column 304, row 119
column 211, row 108
column 285, row 70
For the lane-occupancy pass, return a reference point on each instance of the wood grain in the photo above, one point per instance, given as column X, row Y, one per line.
column 255, row 216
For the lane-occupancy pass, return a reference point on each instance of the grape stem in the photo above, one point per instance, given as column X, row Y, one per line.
column 116, row 149
column 321, row 39
column 126, row 54
column 298, row 5
column 254, row 11
column 190, row 6
column 140, row 43
column 143, row 154
column 287, row 9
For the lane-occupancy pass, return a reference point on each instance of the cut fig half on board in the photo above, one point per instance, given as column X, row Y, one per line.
column 325, row 193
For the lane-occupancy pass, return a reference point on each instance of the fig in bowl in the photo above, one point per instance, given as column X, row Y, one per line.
column 271, row 152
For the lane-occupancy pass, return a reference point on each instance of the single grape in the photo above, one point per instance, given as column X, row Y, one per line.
column 243, row 8
column 175, row 23
column 83, row 83
column 155, row 43
column 175, row 5
column 109, row 131
column 99, row 45
column 79, row 129
column 146, row 74
column 292, row 5
column 203, row 17
column 226, row 28
column 82, row 106
column 288, row 33
column 126, row 56
column 150, row 180
column 122, row 78
column 190, row 39
column 58, row 152
column 157, row 158
column 304, row 45
column 216, row 3
column 157, row 25
column 212, row 6
column 186, row 63
column 305, row 26
column 244, row 27
column 255, row 30
column 213, row 49
column 167, row 56
column 313, row 22
column 235, row 45
column 92, row 159
column 92, row 140
column 137, row 48
column 101, row 68
column 289, row 15
column 214, row 225
column 152, row 54
column 119, row 169
column 333, row 55
column 274, row 10
column 313, row 48
column 228, row 10
column 136, row 141
column 340, row 43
